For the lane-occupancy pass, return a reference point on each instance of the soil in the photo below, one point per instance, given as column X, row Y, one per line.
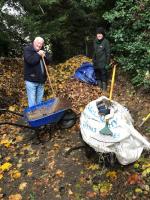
column 42, row 165
column 46, row 110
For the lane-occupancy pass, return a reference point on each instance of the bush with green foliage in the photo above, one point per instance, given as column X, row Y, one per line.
column 130, row 37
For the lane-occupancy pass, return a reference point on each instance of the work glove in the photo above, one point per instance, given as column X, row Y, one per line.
column 107, row 66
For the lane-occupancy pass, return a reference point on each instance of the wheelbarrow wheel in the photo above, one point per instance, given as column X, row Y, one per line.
column 68, row 120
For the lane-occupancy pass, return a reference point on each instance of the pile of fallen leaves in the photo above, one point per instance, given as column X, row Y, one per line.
column 12, row 90
column 65, row 85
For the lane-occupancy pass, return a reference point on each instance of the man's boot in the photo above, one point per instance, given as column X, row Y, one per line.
column 99, row 82
column 104, row 86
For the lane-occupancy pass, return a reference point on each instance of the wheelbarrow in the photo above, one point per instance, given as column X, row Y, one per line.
column 40, row 115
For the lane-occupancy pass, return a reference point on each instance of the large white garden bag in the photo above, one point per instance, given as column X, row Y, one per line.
column 126, row 142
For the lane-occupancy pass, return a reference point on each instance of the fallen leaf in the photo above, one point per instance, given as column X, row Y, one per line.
column 6, row 166
column 12, row 108
column 56, row 146
column 22, row 186
column 90, row 194
column 19, row 165
column 146, row 166
column 15, row 197
column 60, row 173
column 51, row 164
column 15, row 174
column 146, row 172
column 138, row 190
column 1, row 176
column 5, row 142
column 105, row 189
column 134, row 179
column 112, row 175
column 29, row 172
column 70, row 192
column 19, row 138
column 81, row 109
column 93, row 167
column 32, row 159
column 136, row 165
column 7, row 158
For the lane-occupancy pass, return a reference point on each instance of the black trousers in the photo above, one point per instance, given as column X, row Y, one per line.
column 101, row 74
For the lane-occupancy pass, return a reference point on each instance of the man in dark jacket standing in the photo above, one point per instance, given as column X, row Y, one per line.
column 101, row 58
column 34, row 70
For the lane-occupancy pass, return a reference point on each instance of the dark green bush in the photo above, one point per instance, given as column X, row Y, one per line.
column 129, row 34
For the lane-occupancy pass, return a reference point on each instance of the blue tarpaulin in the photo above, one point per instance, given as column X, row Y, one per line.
column 86, row 73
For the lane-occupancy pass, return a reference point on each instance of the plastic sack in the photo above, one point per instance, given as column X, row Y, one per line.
column 86, row 73
column 126, row 142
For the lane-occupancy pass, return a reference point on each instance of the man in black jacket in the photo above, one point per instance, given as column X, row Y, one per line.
column 34, row 70
column 101, row 58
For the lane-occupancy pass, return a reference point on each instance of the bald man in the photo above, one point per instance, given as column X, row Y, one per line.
column 34, row 70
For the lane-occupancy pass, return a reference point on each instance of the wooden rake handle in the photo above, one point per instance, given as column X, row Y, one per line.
column 112, row 82
column 49, row 80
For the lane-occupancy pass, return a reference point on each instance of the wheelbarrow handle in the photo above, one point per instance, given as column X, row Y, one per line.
column 3, row 110
column 15, row 124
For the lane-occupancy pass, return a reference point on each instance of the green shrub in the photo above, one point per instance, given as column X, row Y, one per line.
column 129, row 34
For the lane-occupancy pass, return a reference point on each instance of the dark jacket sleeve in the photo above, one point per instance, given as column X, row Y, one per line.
column 107, row 50
column 94, row 56
column 31, row 56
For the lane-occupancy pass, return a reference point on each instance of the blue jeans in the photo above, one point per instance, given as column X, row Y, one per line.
column 35, row 92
